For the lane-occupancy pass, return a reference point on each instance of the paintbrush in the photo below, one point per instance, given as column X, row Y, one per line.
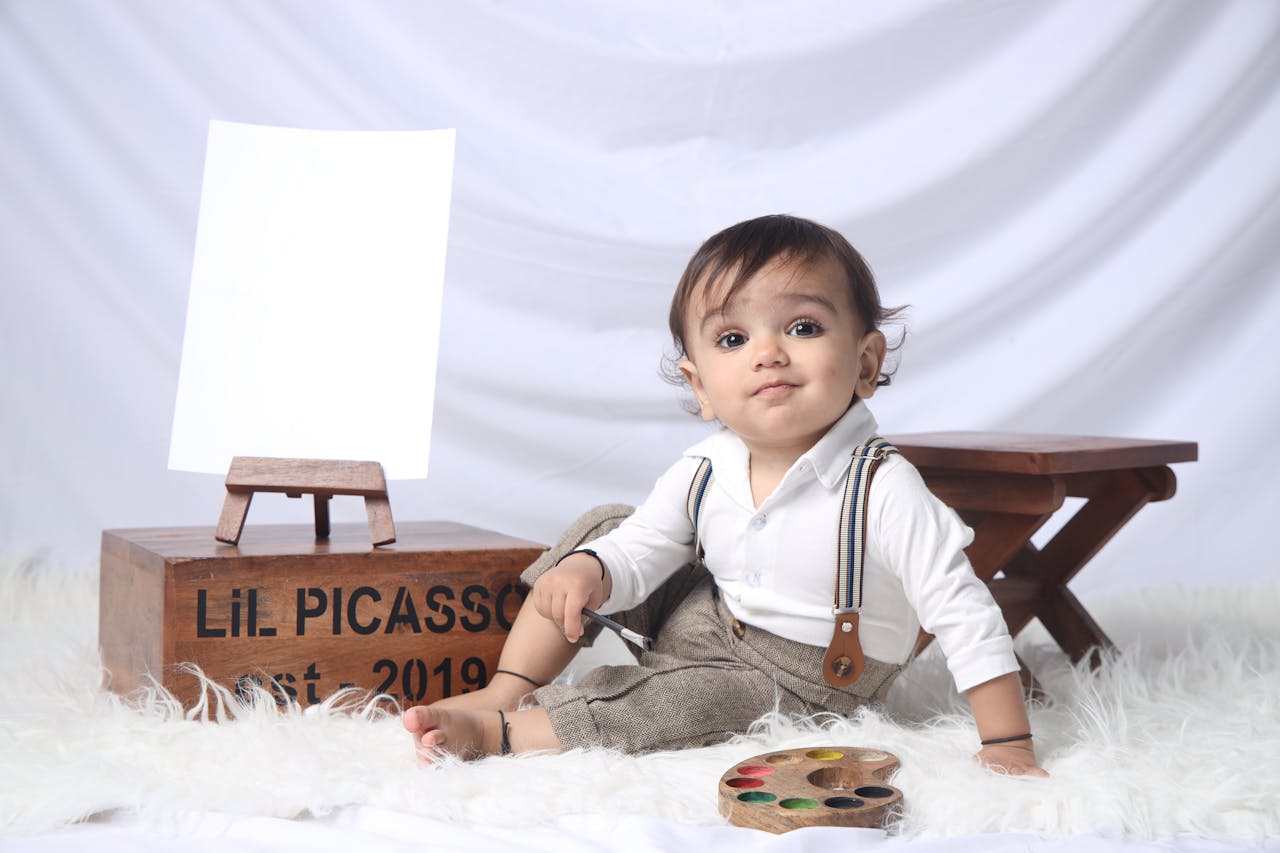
column 625, row 633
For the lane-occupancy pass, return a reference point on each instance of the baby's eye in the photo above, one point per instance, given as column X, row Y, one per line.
column 804, row 329
column 731, row 340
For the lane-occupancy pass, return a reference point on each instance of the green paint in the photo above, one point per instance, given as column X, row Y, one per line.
column 799, row 803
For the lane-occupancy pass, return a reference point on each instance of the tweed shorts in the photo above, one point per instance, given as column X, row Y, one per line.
column 707, row 678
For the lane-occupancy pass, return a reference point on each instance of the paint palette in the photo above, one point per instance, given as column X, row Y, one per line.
column 823, row 786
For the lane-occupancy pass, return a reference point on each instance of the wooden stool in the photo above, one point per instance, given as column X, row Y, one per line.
column 1007, row 485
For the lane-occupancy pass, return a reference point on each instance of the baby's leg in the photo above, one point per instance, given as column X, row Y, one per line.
column 535, row 648
column 471, row 734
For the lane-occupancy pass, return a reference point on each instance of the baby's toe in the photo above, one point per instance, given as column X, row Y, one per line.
column 410, row 720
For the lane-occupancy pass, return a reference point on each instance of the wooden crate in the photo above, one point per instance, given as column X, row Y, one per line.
column 421, row 619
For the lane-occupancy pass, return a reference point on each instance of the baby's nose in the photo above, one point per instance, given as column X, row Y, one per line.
column 770, row 352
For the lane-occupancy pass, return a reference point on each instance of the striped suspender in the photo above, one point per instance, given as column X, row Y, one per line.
column 853, row 519
column 844, row 662
column 697, row 491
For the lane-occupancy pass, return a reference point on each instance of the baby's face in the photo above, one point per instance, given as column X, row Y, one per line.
column 783, row 360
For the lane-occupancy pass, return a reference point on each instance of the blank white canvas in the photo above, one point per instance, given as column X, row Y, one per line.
column 314, row 320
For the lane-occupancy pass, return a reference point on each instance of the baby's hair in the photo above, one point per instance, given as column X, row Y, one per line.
column 740, row 251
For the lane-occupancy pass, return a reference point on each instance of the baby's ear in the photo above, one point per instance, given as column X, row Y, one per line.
column 871, row 353
column 689, row 371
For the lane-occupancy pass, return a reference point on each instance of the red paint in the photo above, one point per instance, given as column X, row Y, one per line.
column 741, row 782
column 755, row 770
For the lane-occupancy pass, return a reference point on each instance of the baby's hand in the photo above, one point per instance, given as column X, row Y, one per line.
column 1016, row 759
column 563, row 590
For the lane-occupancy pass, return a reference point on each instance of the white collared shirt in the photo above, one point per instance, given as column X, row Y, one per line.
column 775, row 564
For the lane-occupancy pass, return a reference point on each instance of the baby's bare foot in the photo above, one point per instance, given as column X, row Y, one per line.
column 455, row 731
column 488, row 698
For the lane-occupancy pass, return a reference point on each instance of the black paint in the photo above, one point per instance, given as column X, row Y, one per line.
column 873, row 792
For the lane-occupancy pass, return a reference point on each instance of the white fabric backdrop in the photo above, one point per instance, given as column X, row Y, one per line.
column 1078, row 199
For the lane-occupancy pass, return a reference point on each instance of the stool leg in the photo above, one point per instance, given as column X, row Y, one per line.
column 382, row 529
column 997, row 538
column 1066, row 620
column 231, row 522
column 1030, row 685
column 1054, row 565
column 322, row 515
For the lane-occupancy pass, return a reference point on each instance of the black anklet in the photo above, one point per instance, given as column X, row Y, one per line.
column 1010, row 739
column 506, row 733
column 518, row 675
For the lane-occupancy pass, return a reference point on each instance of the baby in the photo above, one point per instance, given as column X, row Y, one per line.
column 775, row 323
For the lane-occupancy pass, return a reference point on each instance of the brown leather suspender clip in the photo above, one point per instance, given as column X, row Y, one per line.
column 843, row 663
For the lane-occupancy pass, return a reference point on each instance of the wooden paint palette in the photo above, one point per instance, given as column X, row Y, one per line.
column 814, row 786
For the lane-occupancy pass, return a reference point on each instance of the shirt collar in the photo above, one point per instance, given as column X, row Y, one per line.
column 829, row 456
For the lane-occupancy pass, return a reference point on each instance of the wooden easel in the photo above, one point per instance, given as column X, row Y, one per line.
column 322, row 478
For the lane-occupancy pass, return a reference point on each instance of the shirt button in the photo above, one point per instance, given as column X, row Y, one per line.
column 753, row 579
column 739, row 630
column 759, row 522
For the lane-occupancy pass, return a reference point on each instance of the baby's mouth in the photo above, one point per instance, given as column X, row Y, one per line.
column 773, row 388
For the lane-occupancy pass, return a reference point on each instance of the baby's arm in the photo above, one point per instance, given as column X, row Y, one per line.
column 924, row 542
column 999, row 711
column 579, row 580
column 659, row 531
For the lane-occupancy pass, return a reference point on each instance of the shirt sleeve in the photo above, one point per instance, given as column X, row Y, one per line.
column 922, row 540
column 651, row 544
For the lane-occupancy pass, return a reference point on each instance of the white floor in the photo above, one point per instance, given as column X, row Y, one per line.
column 366, row 828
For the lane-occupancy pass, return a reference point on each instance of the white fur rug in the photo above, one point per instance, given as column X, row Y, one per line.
column 1180, row 734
